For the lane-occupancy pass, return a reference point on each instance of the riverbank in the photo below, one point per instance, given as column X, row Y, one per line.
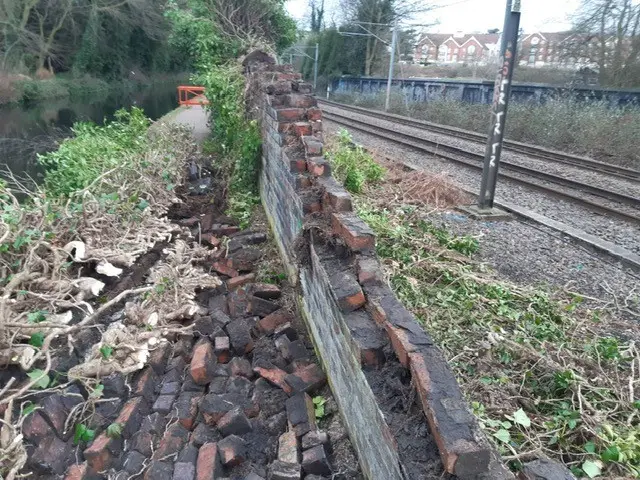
column 16, row 89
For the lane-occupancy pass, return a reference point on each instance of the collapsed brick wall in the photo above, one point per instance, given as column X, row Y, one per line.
column 351, row 312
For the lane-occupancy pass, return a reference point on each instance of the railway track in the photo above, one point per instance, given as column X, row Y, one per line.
column 601, row 200
column 584, row 163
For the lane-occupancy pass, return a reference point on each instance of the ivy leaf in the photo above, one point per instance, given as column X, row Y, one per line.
column 611, row 454
column 503, row 435
column 114, row 430
column 521, row 418
column 97, row 392
column 36, row 317
column 592, row 469
column 590, row 447
column 106, row 351
column 83, row 434
column 37, row 339
column 29, row 407
column 142, row 204
column 39, row 375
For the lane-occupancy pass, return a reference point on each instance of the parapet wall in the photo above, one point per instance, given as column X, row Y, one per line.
column 351, row 313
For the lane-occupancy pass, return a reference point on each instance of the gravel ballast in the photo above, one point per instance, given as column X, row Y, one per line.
column 529, row 253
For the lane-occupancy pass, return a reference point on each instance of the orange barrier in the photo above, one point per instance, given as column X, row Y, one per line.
column 190, row 95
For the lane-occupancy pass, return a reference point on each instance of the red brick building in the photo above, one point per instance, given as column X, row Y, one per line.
column 539, row 49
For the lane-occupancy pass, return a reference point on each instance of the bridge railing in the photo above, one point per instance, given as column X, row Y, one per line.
column 189, row 95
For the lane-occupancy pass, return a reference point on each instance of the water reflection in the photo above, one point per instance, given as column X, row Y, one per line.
column 28, row 130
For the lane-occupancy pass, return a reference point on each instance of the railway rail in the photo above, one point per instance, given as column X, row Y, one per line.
column 593, row 198
column 509, row 145
column 619, row 205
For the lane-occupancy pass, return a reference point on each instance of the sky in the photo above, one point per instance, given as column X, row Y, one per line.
column 479, row 15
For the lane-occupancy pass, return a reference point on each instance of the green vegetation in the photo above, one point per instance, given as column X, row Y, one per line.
column 83, row 434
column 52, row 49
column 318, row 406
column 352, row 165
column 591, row 129
column 544, row 374
column 93, row 151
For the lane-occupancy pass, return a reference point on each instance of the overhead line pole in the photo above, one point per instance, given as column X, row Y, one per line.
column 394, row 41
column 315, row 70
column 501, row 96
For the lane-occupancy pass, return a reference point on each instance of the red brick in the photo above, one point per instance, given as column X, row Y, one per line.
column 222, row 349
column 290, row 114
column 130, row 416
column 368, row 271
column 298, row 166
column 400, row 343
column 318, row 167
column 314, row 114
column 302, row 129
column 237, row 282
column 98, row 455
column 462, row 456
column 186, row 408
column 301, row 100
column 290, row 76
column 76, row 472
column 312, row 146
column 202, row 362
column 35, row 427
column 172, row 441
column 267, row 291
column 272, row 321
column 223, row 268
column 377, row 312
column 273, row 375
column 355, row 233
column 209, row 466
column 211, row 239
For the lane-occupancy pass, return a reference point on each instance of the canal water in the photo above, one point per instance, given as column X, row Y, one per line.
column 26, row 130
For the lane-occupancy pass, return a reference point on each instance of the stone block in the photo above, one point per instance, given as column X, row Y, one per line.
column 306, row 379
column 300, row 100
column 202, row 434
column 288, row 448
column 184, row 471
column 335, row 197
column 346, row 289
column 301, row 413
column 267, row 291
column 234, row 422
column 159, row 471
column 164, row 404
column 285, row 471
column 237, row 282
column 186, row 409
column 131, row 416
column 102, row 452
column 239, row 333
column 315, row 438
column 260, row 307
column 222, row 347
column 314, row 114
column 312, row 146
column 315, row 461
column 367, row 338
column 545, row 469
column 290, row 115
column 145, row 384
column 223, row 268
column 233, row 451
column 241, row 367
column 134, row 462
column 77, row 472
column 272, row 321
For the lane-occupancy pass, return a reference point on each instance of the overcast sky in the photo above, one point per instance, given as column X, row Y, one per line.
column 479, row 15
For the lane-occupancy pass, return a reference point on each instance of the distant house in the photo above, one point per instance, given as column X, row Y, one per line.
column 457, row 48
column 538, row 49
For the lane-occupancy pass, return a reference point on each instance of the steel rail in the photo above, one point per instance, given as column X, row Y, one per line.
column 437, row 150
column 512, row 146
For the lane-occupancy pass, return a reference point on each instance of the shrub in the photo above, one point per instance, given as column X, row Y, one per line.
column 352, row 165
column 94, row 150
column 583, row 128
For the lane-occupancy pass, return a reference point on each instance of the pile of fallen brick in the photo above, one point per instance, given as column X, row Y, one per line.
column 232, row 400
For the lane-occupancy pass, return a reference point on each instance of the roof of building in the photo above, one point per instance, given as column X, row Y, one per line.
column 486, row 38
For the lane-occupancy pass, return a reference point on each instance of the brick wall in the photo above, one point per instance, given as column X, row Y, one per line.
column 350, row 312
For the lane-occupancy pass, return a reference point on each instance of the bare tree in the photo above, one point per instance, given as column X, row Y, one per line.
column 317, row 14
column 613, row 27
column 376, row 18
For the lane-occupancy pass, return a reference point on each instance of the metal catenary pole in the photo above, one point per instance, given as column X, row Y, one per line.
column 315, row 69
column 502, row 92
column 394, row 41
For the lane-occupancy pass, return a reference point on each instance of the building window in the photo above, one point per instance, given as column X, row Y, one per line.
column 425, row 51
column 443, row 53
column 535, row 41
column 532, row 55
column 471, row 50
